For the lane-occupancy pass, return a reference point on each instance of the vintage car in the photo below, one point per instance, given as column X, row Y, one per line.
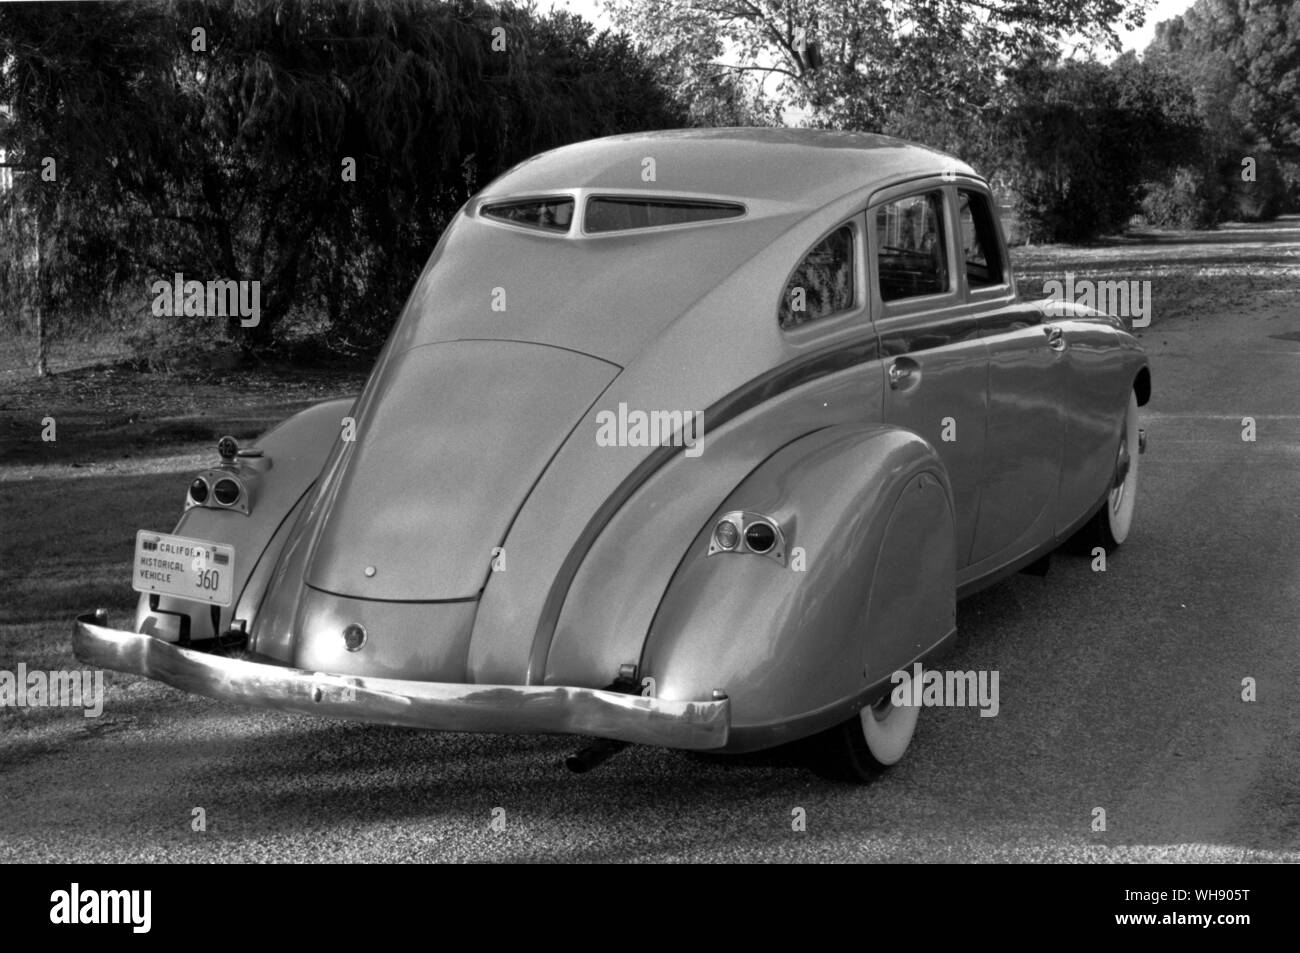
column 689, row 438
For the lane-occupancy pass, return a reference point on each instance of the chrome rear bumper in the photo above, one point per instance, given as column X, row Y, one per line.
column 506, row 709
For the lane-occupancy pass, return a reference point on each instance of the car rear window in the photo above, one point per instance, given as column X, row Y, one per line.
column 552, row 215
column 610, row 214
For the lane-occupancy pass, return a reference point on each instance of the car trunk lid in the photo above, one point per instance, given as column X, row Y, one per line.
column 447, row 449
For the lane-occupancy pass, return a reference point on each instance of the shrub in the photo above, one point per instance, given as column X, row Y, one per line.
column 1188, row 197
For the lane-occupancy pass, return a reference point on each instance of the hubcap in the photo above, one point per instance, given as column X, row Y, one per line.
column 1122, row 463
column 1125, row 470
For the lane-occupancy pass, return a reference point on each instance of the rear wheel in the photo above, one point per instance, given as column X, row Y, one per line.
column 868, row 743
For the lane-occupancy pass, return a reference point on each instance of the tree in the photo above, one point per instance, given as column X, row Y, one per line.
column 1242, row 59
column 317, row 147
column 78, row 87
column 853, row 62
column 1258, row 42
column 1084, row 138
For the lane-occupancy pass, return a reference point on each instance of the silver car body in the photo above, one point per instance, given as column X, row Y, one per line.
column 511, row 572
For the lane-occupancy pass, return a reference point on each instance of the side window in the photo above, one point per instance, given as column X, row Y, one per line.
column 910, row 252
column 979, row 241
column 822, row 284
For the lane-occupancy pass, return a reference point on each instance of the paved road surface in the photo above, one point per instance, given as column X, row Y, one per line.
column 1119, row 690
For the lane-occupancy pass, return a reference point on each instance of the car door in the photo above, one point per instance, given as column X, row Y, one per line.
column 935, row 361
column 1024, row 441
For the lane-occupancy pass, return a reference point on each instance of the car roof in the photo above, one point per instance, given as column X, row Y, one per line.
column 614, row 294
column 802, row 166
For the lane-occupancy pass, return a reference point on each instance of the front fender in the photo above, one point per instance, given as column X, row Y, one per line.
column 293, row 454
column 868, row 586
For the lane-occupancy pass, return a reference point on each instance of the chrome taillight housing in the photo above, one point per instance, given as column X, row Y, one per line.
column 218, row 489
column 231, row 485
column 743, row 532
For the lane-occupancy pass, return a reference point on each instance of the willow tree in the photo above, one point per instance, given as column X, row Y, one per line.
column 314, row 146
column 83, row 87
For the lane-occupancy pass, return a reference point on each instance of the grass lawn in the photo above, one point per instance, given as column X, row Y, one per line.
column 126, row 445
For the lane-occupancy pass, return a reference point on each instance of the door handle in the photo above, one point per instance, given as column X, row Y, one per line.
column 898, row 374
column 1055, row 337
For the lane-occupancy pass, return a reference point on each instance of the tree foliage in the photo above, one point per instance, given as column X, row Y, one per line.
column 875, row 55
column 1084, row 137
column 1243, row 55
column 211, row 137
column 1242, row 61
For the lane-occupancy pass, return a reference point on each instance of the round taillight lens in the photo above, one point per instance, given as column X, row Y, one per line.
column 760, row 537
column 226, row 492
column 199, row 491
column 725, row 535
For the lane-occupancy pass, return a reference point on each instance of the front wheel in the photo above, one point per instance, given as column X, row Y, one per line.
column 862, row 747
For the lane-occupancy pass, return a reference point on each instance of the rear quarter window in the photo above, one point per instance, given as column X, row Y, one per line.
column 822, row 285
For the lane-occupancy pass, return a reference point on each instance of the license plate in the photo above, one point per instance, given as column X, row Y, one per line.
column 193, row 569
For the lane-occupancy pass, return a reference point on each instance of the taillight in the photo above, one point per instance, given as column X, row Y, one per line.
column 226, row 491
column 726, row 535
column 222, row 488
column 743, row 532
column 760, row 537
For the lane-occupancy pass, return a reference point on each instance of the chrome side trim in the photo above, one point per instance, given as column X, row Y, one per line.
column 505, row 709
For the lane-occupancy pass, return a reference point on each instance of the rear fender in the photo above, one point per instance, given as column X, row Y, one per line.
column 866, row 586
column 293, row 454
column 624, row 576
